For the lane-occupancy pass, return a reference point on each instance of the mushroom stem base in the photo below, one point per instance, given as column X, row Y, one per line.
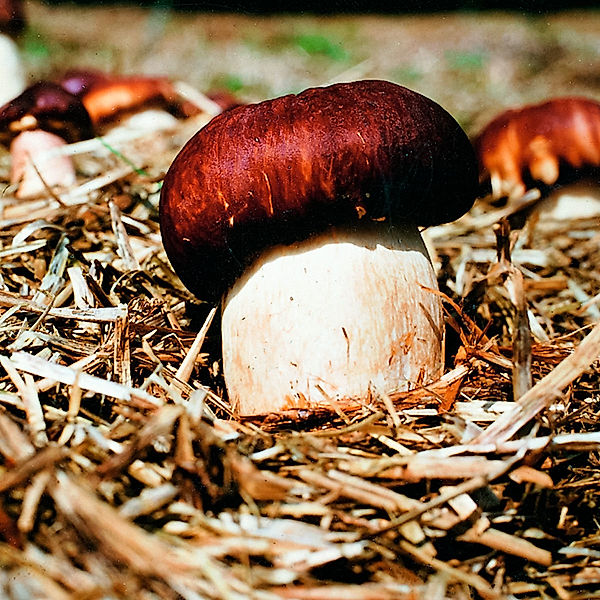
column 38, row 164
column 335, row 317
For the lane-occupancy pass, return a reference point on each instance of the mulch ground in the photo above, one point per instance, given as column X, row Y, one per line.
column 122, row 472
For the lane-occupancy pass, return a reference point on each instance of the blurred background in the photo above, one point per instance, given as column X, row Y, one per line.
column 475, row 57
column 351, row 6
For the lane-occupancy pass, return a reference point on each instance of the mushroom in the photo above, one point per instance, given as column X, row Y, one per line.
column 132, row 101
column 112, row 100
column 547, row 145
column 35, row 124
column 303, row 211
column 79, row 105
column 12, row 73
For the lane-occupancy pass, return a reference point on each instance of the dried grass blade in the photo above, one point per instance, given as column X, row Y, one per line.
column 30, row 247
column 129, row 544
column 399, row 502
column 185, row 369
column 417, row 467
column 47, row 457
column 511, row 544
column 31, row 500
column 196, row 97
column 43, row 368
column 80, row 195
column 513, row 282
column 72, row 412
column 82, row 294
column 15, row 446
column 148, row 501
column 522, row 377
column 544, row 392
column 33, row 409
column 587, row 304
column 45, row 384
column 32, row 228
column 122, row 238
column 93, row 315
column 53, row 281
column 122, row 351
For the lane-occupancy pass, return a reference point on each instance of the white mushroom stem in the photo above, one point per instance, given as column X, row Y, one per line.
column 36, row 163
column 12, row 73
column 146, row 121
column 334, row 317
column 580, row 200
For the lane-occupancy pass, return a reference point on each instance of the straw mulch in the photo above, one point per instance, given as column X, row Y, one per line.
column 123, row 475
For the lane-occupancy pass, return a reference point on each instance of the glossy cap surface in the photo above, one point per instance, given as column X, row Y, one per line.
column 49, row 107
column 281, row 170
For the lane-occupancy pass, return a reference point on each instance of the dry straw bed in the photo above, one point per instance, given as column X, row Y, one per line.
column 123, row 474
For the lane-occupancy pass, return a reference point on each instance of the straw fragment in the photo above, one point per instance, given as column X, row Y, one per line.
column 545, row 391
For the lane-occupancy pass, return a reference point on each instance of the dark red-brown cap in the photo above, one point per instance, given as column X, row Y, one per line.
column 46, row 106
column 279, row 171
column 538, row 143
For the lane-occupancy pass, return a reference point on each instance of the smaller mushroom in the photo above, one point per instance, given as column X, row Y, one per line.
column 135, row 102
column 547, row 145
column 112, row 100
column 37, row 163
column 80, row 105
column 34, row 125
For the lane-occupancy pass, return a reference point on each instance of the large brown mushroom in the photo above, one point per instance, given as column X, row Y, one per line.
column 303, row 212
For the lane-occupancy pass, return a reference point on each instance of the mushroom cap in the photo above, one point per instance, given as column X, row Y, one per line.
column 46, row 106
column 282, row 170
column 538, row 143
column 109, row 98
column 79, row 81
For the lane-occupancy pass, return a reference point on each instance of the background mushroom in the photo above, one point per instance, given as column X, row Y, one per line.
column 82, row 104
column 303, row 210
column 35, row 124
column 549, row 145
column 134, row 101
